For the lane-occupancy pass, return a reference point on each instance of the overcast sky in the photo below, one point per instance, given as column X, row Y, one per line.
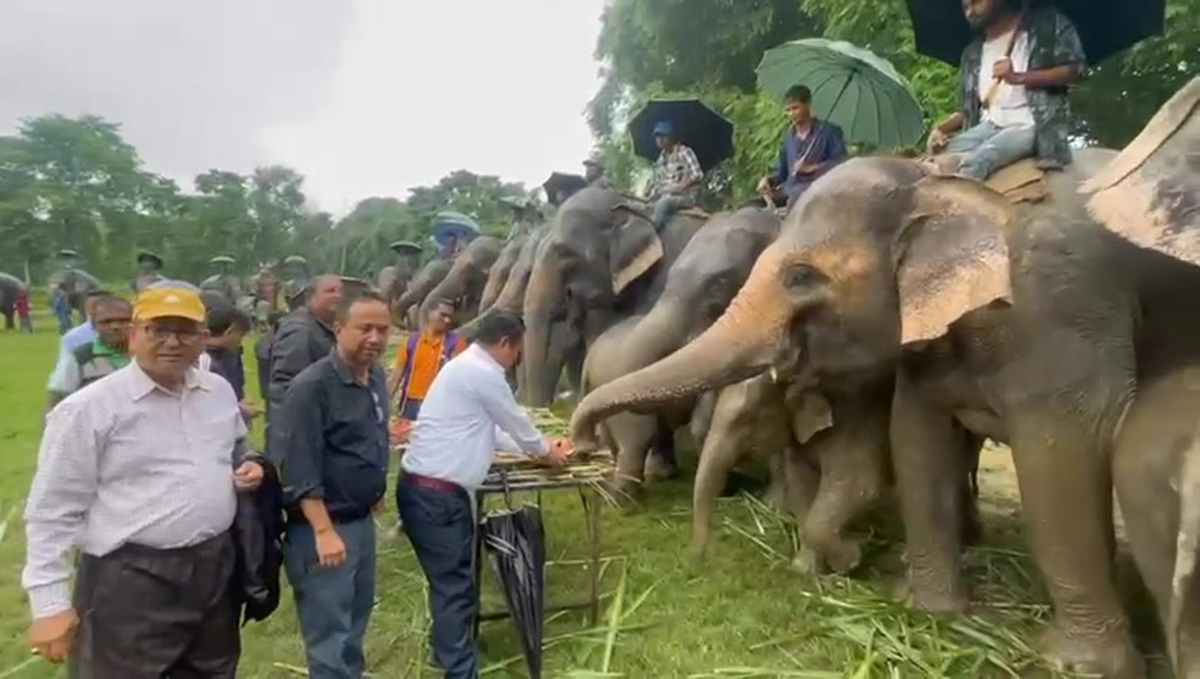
column 364, row 97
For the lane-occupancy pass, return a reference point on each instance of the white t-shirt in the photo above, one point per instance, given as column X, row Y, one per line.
column 1010, row 106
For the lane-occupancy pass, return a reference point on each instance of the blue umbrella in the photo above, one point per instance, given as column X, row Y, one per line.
column 454, row 225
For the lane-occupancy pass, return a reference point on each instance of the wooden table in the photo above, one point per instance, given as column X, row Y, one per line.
column 513, row 475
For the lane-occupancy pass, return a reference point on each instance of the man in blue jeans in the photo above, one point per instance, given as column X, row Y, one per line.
column 677, row 175
column 469, row 414
column 1013, row 90
column 334, row 471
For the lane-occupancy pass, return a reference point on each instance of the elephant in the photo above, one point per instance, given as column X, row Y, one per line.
column 599, row 263
column 10, row 287
column 464, row 283
column 1028, row 324
column 500, row 271
column 1156, row 473
column 426, row 279
column 77, row 283
column 698, row 286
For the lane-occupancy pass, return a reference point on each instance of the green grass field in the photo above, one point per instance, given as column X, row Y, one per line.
column 742, row 613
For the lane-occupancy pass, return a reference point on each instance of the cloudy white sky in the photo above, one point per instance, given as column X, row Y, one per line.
column 365, row 97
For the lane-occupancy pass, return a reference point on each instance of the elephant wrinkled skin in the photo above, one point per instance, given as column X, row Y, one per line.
column 464, row 282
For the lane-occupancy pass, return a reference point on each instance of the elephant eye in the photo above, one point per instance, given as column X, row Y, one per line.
column 801, row 277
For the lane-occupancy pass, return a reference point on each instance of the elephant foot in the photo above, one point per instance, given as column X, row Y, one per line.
column 1111, row 656
column 941, row 601
column 659, row 469
column 698, row 550
column 843, row 557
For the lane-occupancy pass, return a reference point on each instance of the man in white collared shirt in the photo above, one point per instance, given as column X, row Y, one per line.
column 138, row 471
column 468, row 414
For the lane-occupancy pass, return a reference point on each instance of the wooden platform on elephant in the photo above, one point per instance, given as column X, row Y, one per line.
column 1021, row 182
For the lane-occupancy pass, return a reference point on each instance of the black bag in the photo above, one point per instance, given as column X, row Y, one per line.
column 258, row 535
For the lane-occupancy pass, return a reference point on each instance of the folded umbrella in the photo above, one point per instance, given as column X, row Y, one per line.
column 516, row 542
column 852, row 87
column 1105, row 26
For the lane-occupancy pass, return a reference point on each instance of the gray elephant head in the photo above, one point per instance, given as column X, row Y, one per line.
column 597, row 264
column 699, row 285
column 464, row 282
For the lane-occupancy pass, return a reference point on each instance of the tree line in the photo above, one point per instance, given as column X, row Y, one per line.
column 710, row 49
column 76, row 183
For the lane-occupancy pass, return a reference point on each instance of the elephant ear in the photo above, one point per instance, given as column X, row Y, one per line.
column 952, row 256
column 1150, row 193
column 635, row 247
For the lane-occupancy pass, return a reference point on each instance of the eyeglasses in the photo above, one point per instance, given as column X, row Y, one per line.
column 183, row 335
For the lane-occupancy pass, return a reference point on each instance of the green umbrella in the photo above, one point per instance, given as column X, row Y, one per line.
column 852, row 88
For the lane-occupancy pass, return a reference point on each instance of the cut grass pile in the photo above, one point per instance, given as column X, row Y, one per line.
column 743, row 612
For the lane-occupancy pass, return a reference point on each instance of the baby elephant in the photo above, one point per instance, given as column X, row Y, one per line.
column 1156, row 471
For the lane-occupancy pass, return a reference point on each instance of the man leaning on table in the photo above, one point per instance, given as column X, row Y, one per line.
column 468, row 414
column 138, row 471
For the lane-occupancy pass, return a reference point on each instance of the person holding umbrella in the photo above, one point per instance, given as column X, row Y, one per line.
column 1014, row 79
column 809, row 149
column 677, row 175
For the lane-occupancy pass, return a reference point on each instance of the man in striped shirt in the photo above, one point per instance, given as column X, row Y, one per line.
column 138, row 472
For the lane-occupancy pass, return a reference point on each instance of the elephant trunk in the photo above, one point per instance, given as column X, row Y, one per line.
column 491, row 289
column 741, row 344
column 544, row 294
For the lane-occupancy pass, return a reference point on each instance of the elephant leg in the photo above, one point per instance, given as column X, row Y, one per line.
column 8, row 320
column 852, row 461
column 723, row 447
column 1066, row 495
column 928, row 464
column 632, row 435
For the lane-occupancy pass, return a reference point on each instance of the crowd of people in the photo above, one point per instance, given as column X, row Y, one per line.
column 145, row 453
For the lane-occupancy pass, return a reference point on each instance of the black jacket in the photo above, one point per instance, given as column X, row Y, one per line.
column 301, row 340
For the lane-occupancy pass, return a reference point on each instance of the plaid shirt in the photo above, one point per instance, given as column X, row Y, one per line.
column 677, row 166
column 1053, row 41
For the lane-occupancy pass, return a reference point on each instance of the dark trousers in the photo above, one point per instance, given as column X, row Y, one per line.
column 334, row 604
column 441, row 527
column 157, row 613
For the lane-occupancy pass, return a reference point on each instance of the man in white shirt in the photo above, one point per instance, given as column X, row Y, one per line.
column 468, row 414
column 1013, row 92
column 138, row 472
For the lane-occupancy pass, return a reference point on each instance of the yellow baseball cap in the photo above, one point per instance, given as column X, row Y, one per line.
column 168, row 302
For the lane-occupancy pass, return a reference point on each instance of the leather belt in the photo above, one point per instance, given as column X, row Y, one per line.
column 430, row 483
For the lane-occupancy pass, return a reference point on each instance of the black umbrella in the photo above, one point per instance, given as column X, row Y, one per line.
column 517, row 544
column 1105, row 26
column 562, row 182
column 698, row 127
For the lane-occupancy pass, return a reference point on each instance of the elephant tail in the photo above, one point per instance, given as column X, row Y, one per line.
column 1184, row 615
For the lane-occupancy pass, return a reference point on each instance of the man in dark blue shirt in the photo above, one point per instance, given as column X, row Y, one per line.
column 334, row 471
column 810, row 148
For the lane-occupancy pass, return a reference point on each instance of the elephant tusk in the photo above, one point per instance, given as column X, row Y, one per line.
column 774, row 375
